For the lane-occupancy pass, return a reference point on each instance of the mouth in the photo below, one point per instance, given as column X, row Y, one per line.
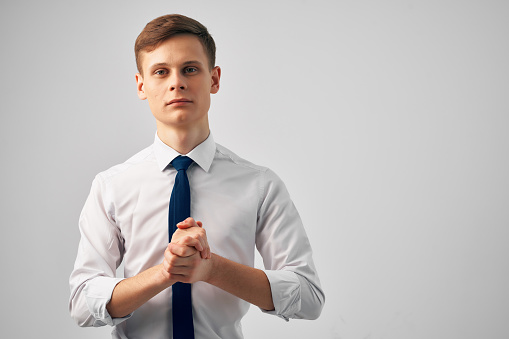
column 180, row 101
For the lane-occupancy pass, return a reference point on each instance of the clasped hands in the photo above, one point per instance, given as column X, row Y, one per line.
column 187, row 257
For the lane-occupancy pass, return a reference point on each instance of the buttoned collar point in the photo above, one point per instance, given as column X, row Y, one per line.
column 202, row 155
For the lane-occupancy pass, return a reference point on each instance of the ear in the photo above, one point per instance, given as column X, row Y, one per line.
column 216, row 75
column 139, row 87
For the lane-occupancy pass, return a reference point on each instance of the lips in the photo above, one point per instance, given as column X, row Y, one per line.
column 179, row 101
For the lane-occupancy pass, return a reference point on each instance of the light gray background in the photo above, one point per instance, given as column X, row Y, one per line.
column 398, row 108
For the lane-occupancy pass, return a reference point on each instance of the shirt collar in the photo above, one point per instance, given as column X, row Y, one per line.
column 203, row 154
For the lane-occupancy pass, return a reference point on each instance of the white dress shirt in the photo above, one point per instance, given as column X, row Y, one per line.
column 241, row 205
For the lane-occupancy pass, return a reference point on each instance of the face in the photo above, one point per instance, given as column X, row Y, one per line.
column 177, row 82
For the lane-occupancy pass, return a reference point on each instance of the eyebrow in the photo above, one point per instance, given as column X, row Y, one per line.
column 165, row 64
column 192, row 62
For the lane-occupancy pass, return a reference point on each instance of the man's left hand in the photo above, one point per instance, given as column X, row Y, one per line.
column 191, row 233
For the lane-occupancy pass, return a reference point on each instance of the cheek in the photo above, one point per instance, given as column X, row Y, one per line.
column 154, row 94
column 205, row 93
column 154, row 100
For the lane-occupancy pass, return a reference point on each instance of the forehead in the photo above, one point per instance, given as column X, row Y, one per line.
column 175, row 50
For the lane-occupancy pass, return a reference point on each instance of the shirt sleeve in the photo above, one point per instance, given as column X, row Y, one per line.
column 287, row 255
column 100, row 252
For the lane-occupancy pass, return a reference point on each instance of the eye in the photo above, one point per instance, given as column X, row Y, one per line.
column 190, row 70
column 160, row 72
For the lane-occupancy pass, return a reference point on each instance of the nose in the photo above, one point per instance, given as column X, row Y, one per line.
column 177, row 81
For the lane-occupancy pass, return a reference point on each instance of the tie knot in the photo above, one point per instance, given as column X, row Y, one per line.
column 181, row 162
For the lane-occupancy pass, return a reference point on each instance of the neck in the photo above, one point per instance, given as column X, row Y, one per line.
column 183, row 140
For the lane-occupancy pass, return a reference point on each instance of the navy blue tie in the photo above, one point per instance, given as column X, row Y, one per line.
column 180, row 209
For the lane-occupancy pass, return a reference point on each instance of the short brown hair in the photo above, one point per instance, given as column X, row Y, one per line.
column 167, row 26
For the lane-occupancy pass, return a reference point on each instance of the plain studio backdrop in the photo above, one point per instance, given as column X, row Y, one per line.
column 397, row 110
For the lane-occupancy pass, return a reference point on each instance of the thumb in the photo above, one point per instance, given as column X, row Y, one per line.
column 189, row 222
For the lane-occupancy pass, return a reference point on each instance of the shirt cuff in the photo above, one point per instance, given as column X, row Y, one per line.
column 98, row 293
column 285, row 289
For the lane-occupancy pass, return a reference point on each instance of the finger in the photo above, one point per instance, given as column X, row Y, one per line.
column 191, row 241
column 177, row 277
column 181, row 265
column 192, row 245
column 177, row 262
column 182, row 250
column 171, row 259
column 205, row 252
column 186, row 223
column 189, row 222
column 205, row 243
column 202, row 238
column 198, row 233
column 183, row 225
column 167, row 252
column 178, row 273
column 198, row 243
column 181, row 275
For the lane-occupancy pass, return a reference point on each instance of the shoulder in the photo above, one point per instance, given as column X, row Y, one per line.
column 121, row 181
column 131, row 167
column 224, row 154
column 230, row 162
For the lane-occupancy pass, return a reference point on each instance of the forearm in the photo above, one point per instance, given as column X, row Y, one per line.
column 247, row 283
column 131, row 293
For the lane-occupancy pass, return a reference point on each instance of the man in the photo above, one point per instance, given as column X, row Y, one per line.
column 239, row 204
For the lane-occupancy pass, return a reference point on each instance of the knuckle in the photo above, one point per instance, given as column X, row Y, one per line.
column 172, row 260
column 189, row 241
column 167, row 256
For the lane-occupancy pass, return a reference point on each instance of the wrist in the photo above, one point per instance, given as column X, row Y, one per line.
column 162, row 278
column 213, row 270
